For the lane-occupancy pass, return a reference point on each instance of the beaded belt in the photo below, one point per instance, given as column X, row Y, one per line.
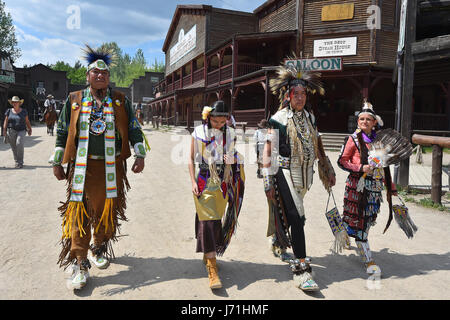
column 283, row 162
column 94, row 157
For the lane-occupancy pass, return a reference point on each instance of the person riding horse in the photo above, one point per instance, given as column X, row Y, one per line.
column 50, row 115
column 140, row 113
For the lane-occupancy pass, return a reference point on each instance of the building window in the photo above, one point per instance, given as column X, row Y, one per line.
column 55, row 86
column 154, row 79
column 40, row 88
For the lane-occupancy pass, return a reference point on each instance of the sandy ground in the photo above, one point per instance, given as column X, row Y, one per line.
column 156, row 258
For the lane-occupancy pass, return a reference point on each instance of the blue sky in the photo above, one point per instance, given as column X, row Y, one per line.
column 49, row 30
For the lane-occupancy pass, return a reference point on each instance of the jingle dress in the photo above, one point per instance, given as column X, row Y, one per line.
column 360, row 208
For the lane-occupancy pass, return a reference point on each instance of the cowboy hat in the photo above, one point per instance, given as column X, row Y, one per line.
column 50, row 96
column 15, row 99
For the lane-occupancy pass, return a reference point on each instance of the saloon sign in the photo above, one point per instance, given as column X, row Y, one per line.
column 324, row 64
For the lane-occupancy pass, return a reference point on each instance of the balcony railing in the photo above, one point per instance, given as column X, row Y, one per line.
column 177, row 85
column 225, row 73
column 213, row 77
column 218, row 76
column 246, row 68
column 199, row 75
column 186, row 81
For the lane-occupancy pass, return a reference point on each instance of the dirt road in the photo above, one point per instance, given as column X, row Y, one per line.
column 156, row 256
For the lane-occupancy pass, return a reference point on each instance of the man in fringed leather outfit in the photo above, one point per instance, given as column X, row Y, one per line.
column 94, row 132
column 288, row 171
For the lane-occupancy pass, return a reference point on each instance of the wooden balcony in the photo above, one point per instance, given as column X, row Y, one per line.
column 217, row 77
column 177, row 85
column 186, row 81
column 199, row 75
column 225, row 73
column 246, row 68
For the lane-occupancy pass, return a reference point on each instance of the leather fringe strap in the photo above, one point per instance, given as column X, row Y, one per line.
column 147, row 145
column 107, row 215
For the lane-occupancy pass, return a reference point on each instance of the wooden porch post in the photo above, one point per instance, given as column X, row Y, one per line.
column 408, row 87
column 446, row 88
column 220, row 55
column 205, row 69
column 266, row 97
column 181, row 78
column 192, row 71
column 299, row 24
column 365, row 90
column 234, row 95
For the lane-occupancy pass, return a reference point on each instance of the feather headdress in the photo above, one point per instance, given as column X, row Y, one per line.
column 368, row 109
column 101, row 58
column 289, row 76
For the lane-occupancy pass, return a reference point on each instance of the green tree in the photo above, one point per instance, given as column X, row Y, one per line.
column 8, row 41
column 158, row 66
column 76, row 74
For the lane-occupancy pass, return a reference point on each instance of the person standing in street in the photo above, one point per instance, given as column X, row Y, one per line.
column 260, row 141
column 15, row 127
column 95, row 129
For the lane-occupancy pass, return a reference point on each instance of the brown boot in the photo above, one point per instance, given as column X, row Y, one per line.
column 213, row 275
column 204, row 262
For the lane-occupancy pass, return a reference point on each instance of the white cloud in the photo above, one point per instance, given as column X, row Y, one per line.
column 47, row 50
column 123, row 23
column 45, row 36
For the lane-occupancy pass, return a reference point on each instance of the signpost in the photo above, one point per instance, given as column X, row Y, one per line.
column 335, row 47
column 321, row 64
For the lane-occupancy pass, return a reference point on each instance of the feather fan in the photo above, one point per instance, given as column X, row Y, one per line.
column 389, row 147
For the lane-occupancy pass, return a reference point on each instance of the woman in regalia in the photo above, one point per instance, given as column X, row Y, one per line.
column 217, row 175
column 361, row 208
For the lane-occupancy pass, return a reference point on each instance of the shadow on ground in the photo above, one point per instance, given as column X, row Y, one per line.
column 29, row 142
column 330, row 269
column 143, row 272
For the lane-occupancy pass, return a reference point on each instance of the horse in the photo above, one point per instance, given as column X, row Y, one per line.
column 50, row 117
column 140, row 116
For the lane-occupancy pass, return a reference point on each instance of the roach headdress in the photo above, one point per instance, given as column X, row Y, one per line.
column 288, row 76
column 101, row 58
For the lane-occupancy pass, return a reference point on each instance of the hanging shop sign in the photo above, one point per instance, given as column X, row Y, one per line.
column 186, row 43
column 335, row 47
column 321, row 64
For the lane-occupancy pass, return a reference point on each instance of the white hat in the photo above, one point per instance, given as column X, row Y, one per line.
column 15, row 99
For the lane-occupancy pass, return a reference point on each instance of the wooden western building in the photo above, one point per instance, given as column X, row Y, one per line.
column 216, row 54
